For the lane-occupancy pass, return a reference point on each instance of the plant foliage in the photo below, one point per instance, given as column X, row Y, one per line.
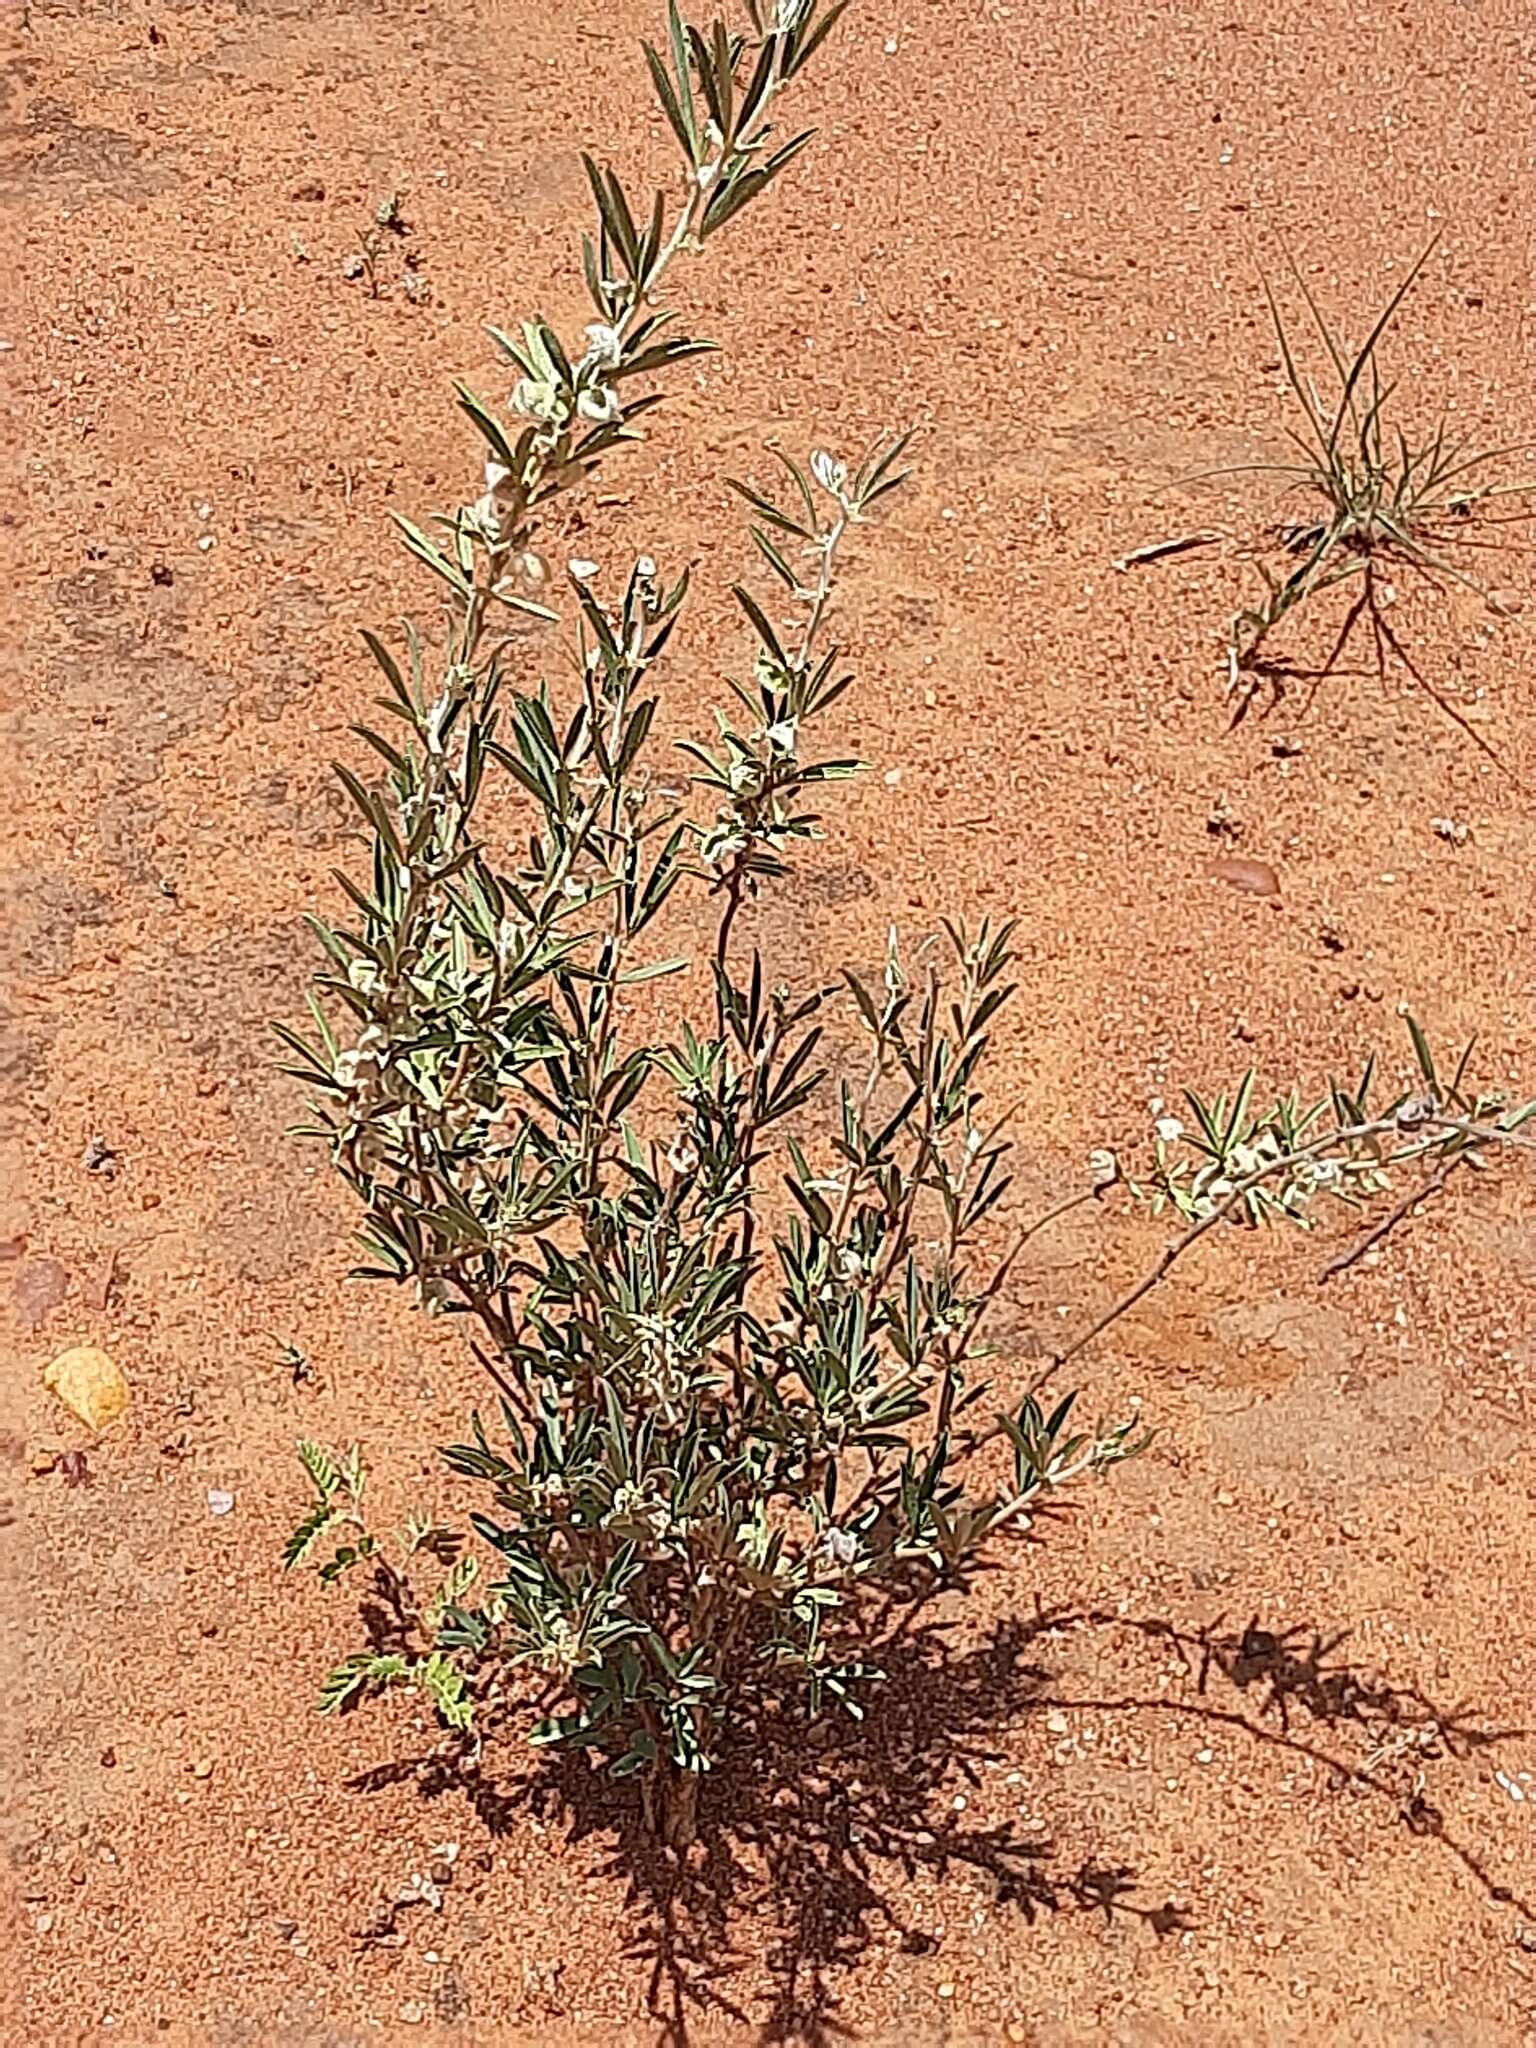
column 728, row 1298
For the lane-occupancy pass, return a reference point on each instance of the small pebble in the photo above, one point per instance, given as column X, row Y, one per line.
column 89, row 1384
column 99, row 1157
column 219, row 1502
column 1252, row 877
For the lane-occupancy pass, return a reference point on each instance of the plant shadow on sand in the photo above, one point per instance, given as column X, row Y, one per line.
column 810, row 1835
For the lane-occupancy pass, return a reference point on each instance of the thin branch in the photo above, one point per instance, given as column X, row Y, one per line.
column 1005, row 1265
column 829, row 543
column 1352, row 1134
column 1395, row 1215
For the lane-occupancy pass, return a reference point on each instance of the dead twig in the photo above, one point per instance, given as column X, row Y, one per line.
column 1159, row 550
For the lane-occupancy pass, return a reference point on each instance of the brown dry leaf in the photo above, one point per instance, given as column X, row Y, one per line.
column 1253, row 877
column 89, row 1384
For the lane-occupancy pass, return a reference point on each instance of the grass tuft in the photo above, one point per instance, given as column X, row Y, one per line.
column 1379, row 503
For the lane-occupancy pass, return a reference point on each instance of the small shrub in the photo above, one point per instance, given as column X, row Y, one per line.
column 729, row 1302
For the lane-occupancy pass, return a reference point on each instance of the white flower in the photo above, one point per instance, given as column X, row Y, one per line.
column 497, row 475
column 1169, row 1130
column 683, row 1154
column 842, row 1545
column 721, row 846
column 600, row 403
column 828, row 471
column 781, row 737
column 488, row 516
column 538, row 400
column 581, row 568
column 645, row 568
column 1103, row 1169
column 605, row 347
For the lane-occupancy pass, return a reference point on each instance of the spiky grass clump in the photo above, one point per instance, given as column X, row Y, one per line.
column 1384, row 503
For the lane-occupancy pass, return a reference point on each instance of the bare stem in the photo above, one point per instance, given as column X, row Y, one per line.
column 1388, row 1223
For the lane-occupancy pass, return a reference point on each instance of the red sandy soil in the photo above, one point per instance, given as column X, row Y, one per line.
column 1212, row 1760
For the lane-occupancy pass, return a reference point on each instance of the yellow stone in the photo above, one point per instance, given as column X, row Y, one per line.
column 89, row 1385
